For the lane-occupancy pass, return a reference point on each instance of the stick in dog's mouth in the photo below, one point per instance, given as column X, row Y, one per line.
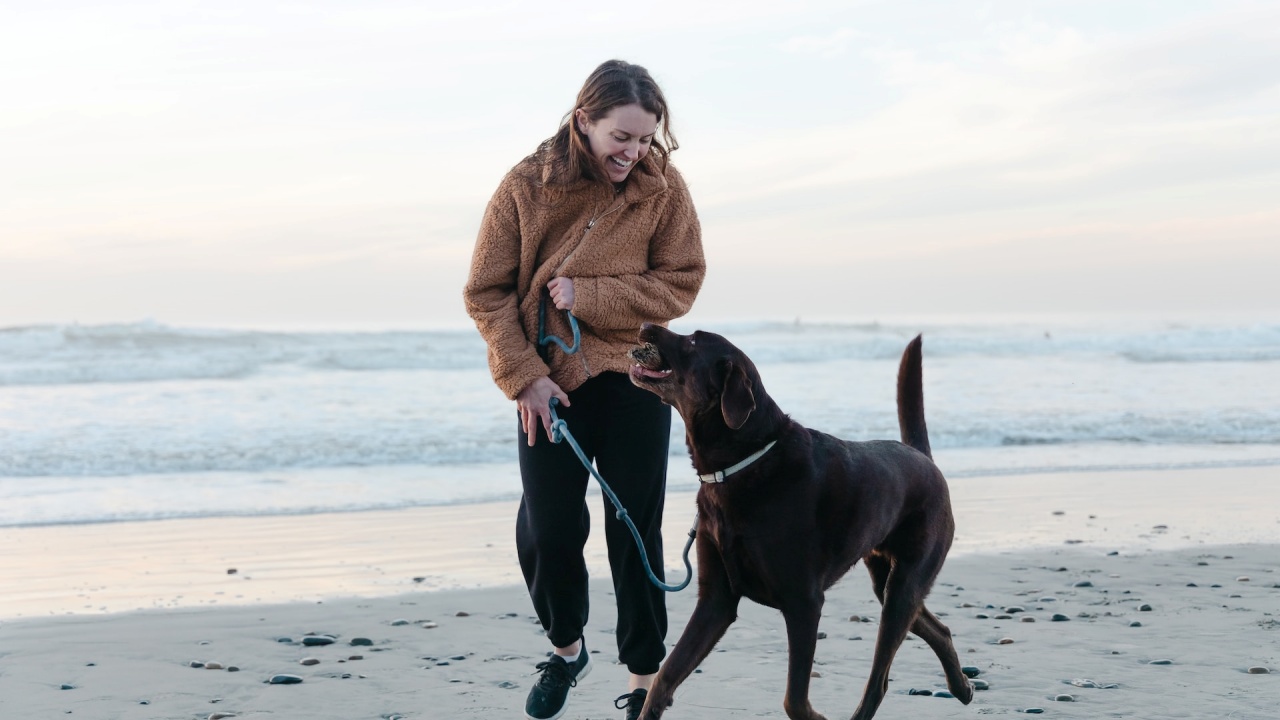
column 649, row 364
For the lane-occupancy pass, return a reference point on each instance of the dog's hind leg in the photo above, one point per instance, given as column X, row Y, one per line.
column 802, row 617
column 878, row 566
column 903, row 597
column 929, row 628
column 938, row 636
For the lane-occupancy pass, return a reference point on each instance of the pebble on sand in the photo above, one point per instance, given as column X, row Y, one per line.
column 317, row 640
column 213, row 666
column 1064, row 697
column 1005, row 641
column 1059, row 617
column 221, row 715
column 1160, row 662
column 980, row 684
column 1259, row 670
column 971, row 671
column 309, row 661
column 284, row 680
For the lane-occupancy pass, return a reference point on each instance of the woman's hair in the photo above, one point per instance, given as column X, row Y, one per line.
column 614, row 84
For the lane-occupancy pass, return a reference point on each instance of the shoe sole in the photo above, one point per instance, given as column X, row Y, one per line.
column 585, row 671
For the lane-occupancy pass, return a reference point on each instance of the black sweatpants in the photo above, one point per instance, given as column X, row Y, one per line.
column 626, row 431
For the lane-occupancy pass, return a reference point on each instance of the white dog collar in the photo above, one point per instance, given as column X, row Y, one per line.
column 720, row 475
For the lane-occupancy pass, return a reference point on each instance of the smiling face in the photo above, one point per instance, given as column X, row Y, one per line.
column 620, row 139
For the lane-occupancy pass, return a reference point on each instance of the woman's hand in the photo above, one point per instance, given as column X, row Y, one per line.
column 535, row 405
column 561, row 293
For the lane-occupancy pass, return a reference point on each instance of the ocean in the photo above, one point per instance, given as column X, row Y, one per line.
column 142, row 421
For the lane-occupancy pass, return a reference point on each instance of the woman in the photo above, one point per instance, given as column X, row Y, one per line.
column 598, row 223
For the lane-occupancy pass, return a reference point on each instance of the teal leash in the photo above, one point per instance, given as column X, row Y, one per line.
column 560, row 431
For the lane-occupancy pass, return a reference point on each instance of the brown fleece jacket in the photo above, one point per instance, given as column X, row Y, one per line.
column 634, row 257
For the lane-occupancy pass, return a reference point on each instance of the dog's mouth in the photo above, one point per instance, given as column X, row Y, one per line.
column 649, row 365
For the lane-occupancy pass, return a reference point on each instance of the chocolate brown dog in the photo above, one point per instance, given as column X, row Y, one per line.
column 786, row 511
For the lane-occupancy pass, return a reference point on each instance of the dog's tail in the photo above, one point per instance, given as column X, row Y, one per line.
column 911, row 399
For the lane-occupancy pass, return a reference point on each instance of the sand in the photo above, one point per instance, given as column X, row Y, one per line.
column 105, row 621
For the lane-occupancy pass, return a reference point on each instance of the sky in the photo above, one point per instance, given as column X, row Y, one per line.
column 326, row 164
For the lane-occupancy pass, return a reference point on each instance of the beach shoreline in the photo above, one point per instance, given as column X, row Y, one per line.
column 212, row 562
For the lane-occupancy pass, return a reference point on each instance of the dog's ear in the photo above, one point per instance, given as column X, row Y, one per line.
column 737, row 401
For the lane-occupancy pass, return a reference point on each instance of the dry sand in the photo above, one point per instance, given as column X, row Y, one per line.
column 116, row 614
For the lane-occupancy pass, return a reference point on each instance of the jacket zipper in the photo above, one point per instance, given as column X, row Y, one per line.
column 585, row 232
column 581, row 241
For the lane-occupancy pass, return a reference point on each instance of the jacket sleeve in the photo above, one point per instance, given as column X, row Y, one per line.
column 492, row 299
column 664, row 292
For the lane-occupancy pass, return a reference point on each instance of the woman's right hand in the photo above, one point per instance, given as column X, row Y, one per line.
column 535, row 405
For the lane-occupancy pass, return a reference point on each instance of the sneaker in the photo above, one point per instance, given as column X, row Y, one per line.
column 548, row 696
column 632, row 702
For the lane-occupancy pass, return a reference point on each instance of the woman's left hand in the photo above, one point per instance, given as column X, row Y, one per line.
column 561, row 293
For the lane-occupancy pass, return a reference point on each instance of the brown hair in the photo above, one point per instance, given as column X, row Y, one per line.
column 614, row 84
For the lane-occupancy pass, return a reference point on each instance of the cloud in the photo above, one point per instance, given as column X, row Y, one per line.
column 828, row 46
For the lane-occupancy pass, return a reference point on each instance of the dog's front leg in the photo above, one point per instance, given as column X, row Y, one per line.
column 715, row 611
column 802, row 618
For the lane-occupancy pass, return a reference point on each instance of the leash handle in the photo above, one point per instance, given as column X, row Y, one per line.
column 544, row 338
column 560, row 431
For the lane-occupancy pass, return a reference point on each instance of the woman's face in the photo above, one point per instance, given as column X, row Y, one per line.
column 620, row 139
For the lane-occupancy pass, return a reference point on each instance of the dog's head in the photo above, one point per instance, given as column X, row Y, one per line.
column 701, row 375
